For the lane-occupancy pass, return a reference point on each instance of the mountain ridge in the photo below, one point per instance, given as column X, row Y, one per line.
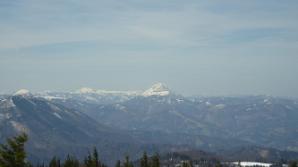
column 157, row 122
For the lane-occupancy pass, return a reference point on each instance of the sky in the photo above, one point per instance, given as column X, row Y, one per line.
column 196, row 47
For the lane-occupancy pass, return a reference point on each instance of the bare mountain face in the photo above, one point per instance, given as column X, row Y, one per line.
column 55, row 130
column 257, row 120
column 120, row 122
column 265, row 121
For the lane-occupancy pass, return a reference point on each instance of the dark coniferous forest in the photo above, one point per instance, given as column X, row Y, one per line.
column 13, row 154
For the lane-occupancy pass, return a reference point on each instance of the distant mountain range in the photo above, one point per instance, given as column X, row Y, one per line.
column 129, row 122
column 55, row 130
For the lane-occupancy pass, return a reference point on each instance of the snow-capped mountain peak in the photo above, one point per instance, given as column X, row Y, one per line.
column 86, row 90
column 114, row 92
column 22, row 92
column 158, row 89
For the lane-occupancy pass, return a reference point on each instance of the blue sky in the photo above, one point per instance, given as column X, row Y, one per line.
column 196, row 47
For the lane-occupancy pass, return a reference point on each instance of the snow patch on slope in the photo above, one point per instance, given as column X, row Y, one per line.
column 19, row 127
column 220, row 106
column 247, row 163
column 22, row 92
column 86, row 90
column 106, row 92
column 7, row 103
column 57, row 115
column 158, row 89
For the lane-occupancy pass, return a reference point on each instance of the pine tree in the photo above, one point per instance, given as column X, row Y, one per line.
column 144, row 160
column 71, row 162
column 92, row 160
column 13, row 153
column 185, row 164
column 118, row 163
column 88, row 160
column 155, row 161
column 96, row 161
column 293, row 164
column 218, row 164
column 55, row 162
column 127, row 162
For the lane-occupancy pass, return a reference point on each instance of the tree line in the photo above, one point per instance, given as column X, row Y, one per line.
column 13, row 154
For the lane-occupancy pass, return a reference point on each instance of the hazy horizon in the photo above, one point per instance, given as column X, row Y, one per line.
column 196, row 48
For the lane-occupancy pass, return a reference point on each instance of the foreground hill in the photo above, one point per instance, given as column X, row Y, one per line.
column 56, row 130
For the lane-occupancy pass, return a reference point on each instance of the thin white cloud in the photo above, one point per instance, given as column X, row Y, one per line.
column 193, row 25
